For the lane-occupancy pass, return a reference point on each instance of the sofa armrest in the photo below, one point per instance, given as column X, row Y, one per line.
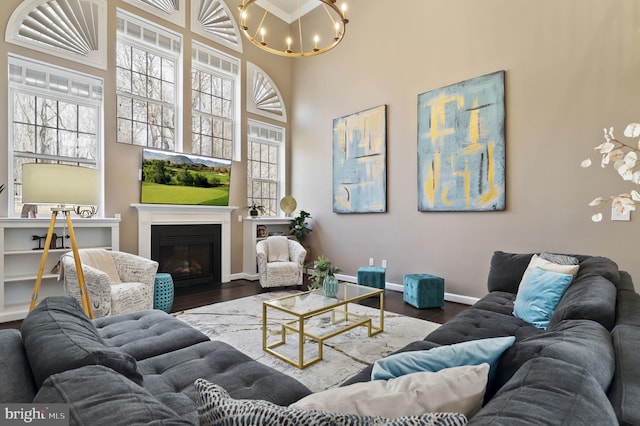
column 547, row 391
column 17, row 381
column 262, row 256
column 96, row 392
column 297, row 252
column 97, row 281
column 624, row 392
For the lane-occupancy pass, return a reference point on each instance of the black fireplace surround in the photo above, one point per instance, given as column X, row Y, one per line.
column 190, row 253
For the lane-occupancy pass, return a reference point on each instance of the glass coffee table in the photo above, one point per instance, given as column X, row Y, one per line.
column 312, row 316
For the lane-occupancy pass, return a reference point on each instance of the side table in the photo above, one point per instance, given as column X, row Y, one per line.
column 163, row 292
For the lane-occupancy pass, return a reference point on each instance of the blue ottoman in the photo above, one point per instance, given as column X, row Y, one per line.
column 423, row 290
column 371, row 277
column 163, row 292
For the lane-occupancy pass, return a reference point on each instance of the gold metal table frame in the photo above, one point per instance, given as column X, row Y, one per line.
column 310, row 304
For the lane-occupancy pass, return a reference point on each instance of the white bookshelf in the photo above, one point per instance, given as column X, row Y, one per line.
column 20, row 258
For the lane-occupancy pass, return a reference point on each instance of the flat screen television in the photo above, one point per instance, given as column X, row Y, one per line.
column 176, row 178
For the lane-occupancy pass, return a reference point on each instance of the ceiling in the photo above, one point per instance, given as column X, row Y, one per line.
column 287, row 10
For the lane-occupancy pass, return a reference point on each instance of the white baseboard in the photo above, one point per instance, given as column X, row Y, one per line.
column 244, row 276
column 449, row 297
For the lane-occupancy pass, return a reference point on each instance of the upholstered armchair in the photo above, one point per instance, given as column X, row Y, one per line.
column 118, row 282
column 280, row 261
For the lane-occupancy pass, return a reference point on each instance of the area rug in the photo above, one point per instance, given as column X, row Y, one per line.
column 239, row 323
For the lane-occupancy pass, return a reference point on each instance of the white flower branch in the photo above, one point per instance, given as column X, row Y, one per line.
column 624, row 158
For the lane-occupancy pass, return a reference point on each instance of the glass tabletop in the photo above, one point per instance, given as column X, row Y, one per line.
column 315, row 300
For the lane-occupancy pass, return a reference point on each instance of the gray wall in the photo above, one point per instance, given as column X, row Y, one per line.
column 572, row 68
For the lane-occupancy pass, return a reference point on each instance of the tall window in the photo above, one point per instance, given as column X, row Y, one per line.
column 214, row 88
column 55, row 116
column 147, row 89
column 265, row 177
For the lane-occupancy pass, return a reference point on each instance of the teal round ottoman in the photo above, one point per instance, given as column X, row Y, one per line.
column 163, row 292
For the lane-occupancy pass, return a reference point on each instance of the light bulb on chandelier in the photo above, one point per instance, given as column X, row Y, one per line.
column 260, row 26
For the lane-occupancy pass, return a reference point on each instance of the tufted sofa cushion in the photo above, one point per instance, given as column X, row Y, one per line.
column 144, row 334
column 548, row 392
column 497, row 301
column 170, row 377
column 580, row 342
column 475, row 324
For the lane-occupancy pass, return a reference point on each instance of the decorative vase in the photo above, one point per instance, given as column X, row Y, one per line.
column 330, row 286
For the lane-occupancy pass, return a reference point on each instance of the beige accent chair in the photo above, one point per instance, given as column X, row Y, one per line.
column 280, row 261
column 118, row 282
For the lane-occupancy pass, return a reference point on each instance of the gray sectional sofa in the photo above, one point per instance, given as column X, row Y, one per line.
column 581, row 370
column 140, row 368
column 130, row 369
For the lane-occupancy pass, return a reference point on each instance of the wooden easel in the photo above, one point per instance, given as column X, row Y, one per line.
column 84, row 293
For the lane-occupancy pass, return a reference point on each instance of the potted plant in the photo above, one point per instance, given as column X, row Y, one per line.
column 323, row 268
column 298, row 226
column 255, row 209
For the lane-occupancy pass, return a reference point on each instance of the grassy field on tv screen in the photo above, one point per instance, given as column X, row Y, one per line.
column 181, row 179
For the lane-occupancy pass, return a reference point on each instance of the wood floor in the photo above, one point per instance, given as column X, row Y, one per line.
column 193, row 297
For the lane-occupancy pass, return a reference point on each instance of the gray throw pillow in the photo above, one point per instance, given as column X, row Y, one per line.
column 506, row 270
column 58, row 336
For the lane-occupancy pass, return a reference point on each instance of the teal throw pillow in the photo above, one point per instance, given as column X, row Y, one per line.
column 539, row 295
column 473, row 352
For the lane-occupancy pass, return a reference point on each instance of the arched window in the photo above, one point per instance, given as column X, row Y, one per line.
column 263, row 97
column 171, row 10
column 213, row 19
column 71, row 29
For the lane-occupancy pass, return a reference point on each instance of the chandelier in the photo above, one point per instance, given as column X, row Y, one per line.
column 320, row 33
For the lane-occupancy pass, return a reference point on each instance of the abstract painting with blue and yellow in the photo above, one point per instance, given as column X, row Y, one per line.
column 360, row 162
column 461, row 146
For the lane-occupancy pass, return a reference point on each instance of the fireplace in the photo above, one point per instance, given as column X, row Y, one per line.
column 190, row 253
column 162, row 214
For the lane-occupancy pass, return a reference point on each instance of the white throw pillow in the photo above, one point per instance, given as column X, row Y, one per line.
column 538, row 262
column 278, row 249
column 455, row 390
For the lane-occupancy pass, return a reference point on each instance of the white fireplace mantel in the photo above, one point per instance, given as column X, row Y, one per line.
column 170, row 214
